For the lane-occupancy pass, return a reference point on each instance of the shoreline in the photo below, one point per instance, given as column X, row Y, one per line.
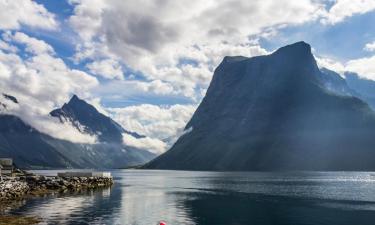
column 27, row 185
column 19, row 187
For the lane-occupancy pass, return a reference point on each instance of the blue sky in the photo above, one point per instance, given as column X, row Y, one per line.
column 343, row 41
column 150, row 68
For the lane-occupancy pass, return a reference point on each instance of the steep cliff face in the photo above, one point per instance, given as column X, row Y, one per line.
column 274, row 112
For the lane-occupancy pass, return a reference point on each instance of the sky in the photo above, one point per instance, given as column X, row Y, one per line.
column 148, row 63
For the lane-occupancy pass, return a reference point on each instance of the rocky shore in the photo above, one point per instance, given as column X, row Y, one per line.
column 18, row 187
column 12, row 189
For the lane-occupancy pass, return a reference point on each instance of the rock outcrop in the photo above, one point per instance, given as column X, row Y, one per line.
column 18, row 187
column 12, row 189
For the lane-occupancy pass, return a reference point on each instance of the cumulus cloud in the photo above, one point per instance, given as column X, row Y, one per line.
column 125, row 89
column 347, row 8
column 364, row 67
column 14, row 14
column 330, row 64
column 87, row 17
column 7, row 47
column 107, row 68
column 370, row 46
column 152, row 120
column 41, row 82
column 33, row 45
column 150, row 144
column 164, row 123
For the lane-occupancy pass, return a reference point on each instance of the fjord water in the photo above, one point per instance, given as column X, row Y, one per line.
column 143, row 197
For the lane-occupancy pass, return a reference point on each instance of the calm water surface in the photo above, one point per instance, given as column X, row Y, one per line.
column 141, row 197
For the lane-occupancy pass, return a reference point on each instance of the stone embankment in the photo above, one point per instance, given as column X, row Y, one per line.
column 21, row 186
column 12, row 189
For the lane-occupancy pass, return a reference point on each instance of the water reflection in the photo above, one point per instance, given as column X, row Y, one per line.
column 84, row 207
column 142, row 197
column 148, row 198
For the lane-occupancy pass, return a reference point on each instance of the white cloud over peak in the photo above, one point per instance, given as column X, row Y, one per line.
column 14, row 14
column 150, row 144
column 41, row 82
column 163, row 123
column 154, row 121
column 330, row 64
column 364, row 67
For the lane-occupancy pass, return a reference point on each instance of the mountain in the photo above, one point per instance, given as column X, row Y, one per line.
column 28, row 146
column 88, row 119
column 364, row 87
column 334, row 83
column 351, row 85
column 32, row 149
column 275, row 112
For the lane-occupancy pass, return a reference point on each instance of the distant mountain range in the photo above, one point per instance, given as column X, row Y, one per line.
column 32, row 149
column 278, row 112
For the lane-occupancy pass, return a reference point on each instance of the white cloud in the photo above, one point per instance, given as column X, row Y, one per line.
column 42, row 82
column 365, row 67
column 347, row 8
column 107, row 68
column 330, row 64
column 155, row 86
column 13, row 14
column 33, row 45
column 164, row 123
column 87, row 17
column 370, row 47
column 153, row 145
column 125, row 89
column 7, row 47
column 152, row 120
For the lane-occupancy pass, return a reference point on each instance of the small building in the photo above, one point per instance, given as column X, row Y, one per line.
column 6, row 166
